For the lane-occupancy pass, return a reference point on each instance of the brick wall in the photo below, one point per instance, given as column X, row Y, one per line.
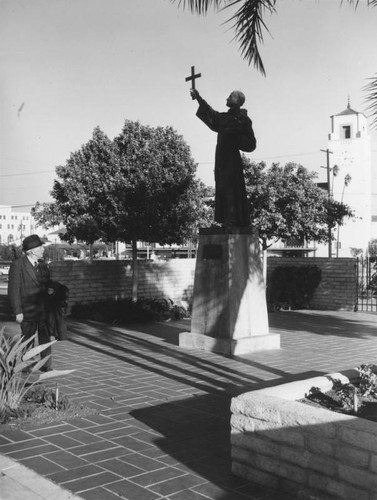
column 98, row 280
column 337, row 289
column 93, row 281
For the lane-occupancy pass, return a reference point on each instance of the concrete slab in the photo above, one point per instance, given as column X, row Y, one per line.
column 17, row 482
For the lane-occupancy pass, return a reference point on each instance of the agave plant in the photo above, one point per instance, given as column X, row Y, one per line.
column 16, row 356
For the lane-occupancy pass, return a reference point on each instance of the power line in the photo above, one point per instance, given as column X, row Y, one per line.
column 268, row 157
column 28, row 173
column 288, row 155
column 18, row 206
column 200, row 163
column 293, row 155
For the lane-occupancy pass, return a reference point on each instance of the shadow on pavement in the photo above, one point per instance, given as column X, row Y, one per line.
column 344, row 324
column 200, row 372
column 195, row 435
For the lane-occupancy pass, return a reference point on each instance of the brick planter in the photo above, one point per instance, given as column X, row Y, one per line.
column 309, row 452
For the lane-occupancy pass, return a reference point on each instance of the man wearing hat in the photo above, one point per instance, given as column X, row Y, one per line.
column 29, row 279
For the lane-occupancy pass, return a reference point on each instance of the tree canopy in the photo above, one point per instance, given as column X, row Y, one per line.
column 140, row 186
column 286, row 203
column 161, row 200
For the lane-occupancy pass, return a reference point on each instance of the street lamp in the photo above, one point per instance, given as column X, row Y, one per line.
column 335, row 171
column 347, row 180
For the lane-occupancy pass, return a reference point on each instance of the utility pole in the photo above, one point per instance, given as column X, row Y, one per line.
column 328, row 153
column 347, row 180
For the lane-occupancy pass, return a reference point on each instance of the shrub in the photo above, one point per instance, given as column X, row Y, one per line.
column 347, row 394
column 47, row 397
column 293, row 286
column 125, row 311
column 368, row 380
column 37, row 397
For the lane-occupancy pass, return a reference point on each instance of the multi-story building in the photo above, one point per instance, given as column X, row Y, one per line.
column 14, row 226
column 351, row 179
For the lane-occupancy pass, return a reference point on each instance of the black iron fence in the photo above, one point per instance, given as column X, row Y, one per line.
column 366, row 284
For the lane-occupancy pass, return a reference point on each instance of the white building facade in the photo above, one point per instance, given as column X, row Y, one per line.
column 351, row 179
column 14, row 226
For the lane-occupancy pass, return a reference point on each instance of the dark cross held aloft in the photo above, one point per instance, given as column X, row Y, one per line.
column 193, row 77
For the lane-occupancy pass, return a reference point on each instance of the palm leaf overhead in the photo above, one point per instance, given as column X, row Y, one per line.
column 200, row 6
column 371, row 99
column 247, row 22
column 372, row 3
column 249, row 25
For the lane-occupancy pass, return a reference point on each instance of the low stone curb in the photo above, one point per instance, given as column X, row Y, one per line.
column 17, row 482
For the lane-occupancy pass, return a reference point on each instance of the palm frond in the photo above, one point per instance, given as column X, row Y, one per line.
column 372, row 3
column 249, row 26
column 199, row 6
column 371, row 99
column 248, row 22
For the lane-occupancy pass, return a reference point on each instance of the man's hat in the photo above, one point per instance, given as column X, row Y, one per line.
column 31, row 241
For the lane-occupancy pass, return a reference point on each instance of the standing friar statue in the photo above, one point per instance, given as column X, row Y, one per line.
column 229, row 311
column 234, row 134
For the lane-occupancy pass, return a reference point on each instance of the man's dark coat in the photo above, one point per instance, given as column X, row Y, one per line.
column 27, row 289
column 28, row 294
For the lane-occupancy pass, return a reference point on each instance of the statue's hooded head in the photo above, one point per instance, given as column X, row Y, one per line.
column 236, row 98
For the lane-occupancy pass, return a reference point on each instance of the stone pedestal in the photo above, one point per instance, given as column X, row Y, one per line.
column 229, row 307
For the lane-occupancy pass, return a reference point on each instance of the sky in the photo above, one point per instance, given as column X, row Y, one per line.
column 68, row 66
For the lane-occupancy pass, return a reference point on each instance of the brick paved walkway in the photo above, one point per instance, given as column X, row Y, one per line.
column 162, row 428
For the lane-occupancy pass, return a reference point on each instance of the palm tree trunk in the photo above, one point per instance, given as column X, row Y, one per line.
column 264, row 260
column 135, row 271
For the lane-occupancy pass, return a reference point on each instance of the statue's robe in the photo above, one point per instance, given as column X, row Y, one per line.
column 234, row 133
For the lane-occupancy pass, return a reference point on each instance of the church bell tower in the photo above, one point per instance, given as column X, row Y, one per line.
column 349, row 142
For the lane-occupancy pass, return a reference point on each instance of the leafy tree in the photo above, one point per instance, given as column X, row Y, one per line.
column 9, row 252
column 355, row 252
column 84, row 184
column 286, row 203
column 160, row 198
column 249, row 26
column 372, row 248
column 140, row 186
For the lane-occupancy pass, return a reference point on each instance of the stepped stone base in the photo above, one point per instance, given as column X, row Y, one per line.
column 228, row 346
column 229, row 307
